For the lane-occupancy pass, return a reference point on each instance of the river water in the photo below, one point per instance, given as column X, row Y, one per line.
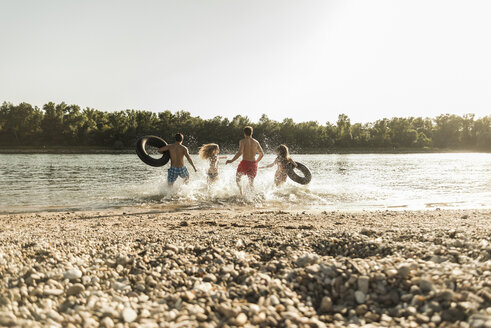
column 36, row 182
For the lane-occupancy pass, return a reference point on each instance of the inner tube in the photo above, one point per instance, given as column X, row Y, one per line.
column 307, row 176
column 154, row 142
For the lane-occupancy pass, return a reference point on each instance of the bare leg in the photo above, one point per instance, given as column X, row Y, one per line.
column 237, row 179
column 251, row 183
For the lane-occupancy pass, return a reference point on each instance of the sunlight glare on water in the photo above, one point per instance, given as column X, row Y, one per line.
column 340, row 182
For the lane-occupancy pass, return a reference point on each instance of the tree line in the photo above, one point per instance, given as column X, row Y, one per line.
column 56, row 125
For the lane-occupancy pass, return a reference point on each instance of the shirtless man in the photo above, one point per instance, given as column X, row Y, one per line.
column 177, row 152
column 248, row 148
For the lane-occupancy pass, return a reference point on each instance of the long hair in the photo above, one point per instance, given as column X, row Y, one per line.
column 282, row 150
column 208, row 151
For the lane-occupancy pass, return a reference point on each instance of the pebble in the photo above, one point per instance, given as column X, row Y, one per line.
column 128, row 315
column 363, row 283
column 273, row 300
column 241, row 319
column 425, row 285
column 360, row 297
column 75, row 289
column 403, row 270
column 107, row 322
column 326, row 304
column 72, row 274
column 210, row 277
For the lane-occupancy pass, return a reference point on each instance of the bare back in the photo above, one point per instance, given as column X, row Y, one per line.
column 177, row 153
column 249, row 147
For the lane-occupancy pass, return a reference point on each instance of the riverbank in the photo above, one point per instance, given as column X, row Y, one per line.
column 102, row 150
column 133, row 268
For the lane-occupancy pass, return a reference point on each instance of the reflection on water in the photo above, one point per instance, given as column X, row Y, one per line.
column 354, row 182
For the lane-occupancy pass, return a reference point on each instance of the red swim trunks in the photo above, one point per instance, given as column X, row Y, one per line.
column 248, row 168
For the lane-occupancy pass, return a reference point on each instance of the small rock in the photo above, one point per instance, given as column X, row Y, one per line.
column 72, row 274
column 128, row 314
column 55, row 316
column 338, row 317
column 360, row 297
column 326, row 305
column 403, row 271
column 210, row 277
column 189, row 296
column 436, row 318
column 172, row 247
column 273, row 300
column 75, row 289
column 361, row 309
column 453, row 314
column 254, row 309
column 425, row 285
column 52, row 292
column 363, row 283
column 445, row 295
column 241, row 319
column 107, row 322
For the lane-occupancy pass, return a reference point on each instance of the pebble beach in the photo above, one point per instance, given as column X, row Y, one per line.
column 246, row 268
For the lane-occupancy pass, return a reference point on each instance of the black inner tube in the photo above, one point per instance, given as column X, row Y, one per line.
column 153, row 141
column 307, row 176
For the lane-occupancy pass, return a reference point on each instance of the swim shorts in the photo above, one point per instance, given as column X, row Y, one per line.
column 175, row 172
column 248, row 168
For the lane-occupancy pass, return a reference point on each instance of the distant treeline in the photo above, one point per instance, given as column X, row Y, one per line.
column 68, row 125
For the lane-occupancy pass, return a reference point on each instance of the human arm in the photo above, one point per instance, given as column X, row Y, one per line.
column 163, row 149
column 190, row 160
column 238, row 154
column 260, row 151
column 292, row 162
column 269, row 165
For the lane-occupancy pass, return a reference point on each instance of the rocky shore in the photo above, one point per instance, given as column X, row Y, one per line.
column 246, row 268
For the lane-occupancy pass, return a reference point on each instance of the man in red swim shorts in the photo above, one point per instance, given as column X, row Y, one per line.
column 248, row 148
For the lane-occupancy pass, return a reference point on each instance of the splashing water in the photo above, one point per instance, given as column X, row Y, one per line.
column 340, row 182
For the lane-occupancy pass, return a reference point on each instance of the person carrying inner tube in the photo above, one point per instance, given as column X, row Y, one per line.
column 177, row 152
column 248, row 148
column 283, row 159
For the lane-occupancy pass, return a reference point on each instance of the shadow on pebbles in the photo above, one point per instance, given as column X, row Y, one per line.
column 246, row 268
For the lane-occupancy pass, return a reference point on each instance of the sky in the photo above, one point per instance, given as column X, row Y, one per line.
column 305, row 59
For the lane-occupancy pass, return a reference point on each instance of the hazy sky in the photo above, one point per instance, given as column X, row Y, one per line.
column 308, row 60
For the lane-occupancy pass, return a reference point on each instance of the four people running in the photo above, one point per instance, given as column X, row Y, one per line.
column 248, row 149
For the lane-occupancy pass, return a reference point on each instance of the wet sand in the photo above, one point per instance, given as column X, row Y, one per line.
column 135, row 268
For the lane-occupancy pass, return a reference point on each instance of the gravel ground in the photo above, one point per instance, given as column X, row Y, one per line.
column 246, row 268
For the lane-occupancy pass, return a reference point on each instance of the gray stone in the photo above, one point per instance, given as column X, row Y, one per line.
column 326, row 305
column 75, row 289
column 425, row 285
column 363, row 283
column 403, row 271
column 360, row 297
